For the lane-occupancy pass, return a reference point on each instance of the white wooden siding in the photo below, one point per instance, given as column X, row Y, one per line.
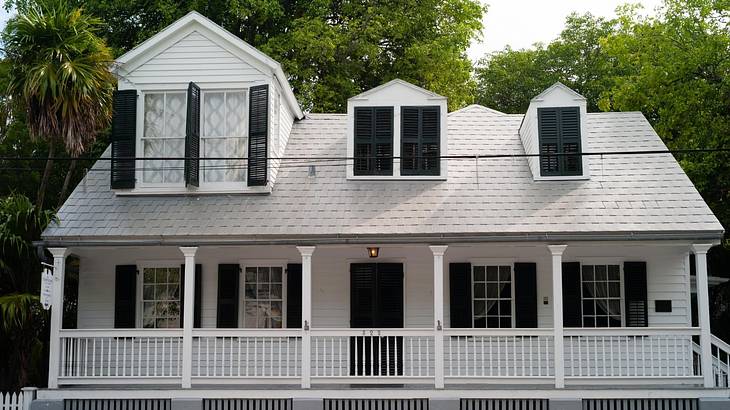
column 667, row 277
column 196, row 58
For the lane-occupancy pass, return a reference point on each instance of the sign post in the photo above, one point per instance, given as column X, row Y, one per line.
column 47, row 286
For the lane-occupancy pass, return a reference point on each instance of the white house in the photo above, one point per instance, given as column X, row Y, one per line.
column 396, row 255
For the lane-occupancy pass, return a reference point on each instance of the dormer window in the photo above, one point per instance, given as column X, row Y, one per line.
column 373, row 141
column 420, row 140
column 559, row 133
column 397, row 131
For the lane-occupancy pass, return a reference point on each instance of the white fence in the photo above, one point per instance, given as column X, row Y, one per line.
column 134, row 356
column 629, row 353
column 17, row 401
column 498, row 353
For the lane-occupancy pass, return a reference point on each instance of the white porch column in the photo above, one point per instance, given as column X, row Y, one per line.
column 306, row 252
column 54, row 347
column 438, row 313
column 188, row 315
column 703, row 310
column 557, row 255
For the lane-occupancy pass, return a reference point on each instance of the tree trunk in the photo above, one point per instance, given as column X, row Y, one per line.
column 67, row 181
column 46, row 176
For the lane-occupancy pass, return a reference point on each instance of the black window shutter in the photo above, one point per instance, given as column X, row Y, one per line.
column 572, row 305
column 525, row 295
column 125, row 296
column 258, row 132
column 192, row 137
column 362, row 295
column 124, row 139
column 373, row 141
column 559, row 133
column 570, row 140
column 198, row 294
column 228, row 295
column 294, row 295
column 389, row 303
column 420, row 140
column 635, row 292
column 460, row 295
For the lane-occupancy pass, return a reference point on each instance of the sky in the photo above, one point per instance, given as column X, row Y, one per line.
column 521, row 23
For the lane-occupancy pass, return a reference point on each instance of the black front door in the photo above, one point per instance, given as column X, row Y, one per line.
column 376, row 301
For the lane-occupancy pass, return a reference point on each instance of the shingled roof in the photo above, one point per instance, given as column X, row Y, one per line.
column 636, row 196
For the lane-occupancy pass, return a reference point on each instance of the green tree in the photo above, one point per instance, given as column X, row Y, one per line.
column 59, row 74
column 675, row 69
column 508, row 79
column 22, row 320
column 331, row 50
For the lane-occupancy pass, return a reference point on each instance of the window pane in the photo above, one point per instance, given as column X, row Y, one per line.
column 175, row 112
column 505, row 307
column 613, row 272
column 275, row 274
column 601, row 272
column 480, row 322
column 493, row 322
column 492, row 273
column 492, row 308
column 250, row 291
column 479, row 291
column 587, row 272
column 506, row 291
column 263, row 275
column 214, row 115
column 492, row 290
column 504, row 273
column 275, row 291
column 154, row 113
column 505, row 322
column 250, row 275
column 479, row 274
column 588, row 308
column 479, row 308
column 235, row 113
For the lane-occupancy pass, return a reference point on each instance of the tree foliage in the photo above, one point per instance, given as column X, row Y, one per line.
column 331, row 50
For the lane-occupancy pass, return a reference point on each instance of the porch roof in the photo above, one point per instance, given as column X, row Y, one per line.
column 636, row 196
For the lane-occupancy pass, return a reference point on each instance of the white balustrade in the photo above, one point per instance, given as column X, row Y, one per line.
column 384, row 355
column 246, row 353
column 366, row 354
column 629, row 353
column 95, row 355
column 498, row 353
column 720, row 362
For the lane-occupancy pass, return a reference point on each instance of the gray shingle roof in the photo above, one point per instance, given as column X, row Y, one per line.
column 497, row 198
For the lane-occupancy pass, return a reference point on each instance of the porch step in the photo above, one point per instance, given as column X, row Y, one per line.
column 375, row 404
column 117, row 404
column 247, row 404
column 640, row 404
column 504, row 404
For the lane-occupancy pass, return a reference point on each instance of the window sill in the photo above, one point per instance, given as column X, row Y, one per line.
column 397, row 178
column 192, row 191
column 561, row 178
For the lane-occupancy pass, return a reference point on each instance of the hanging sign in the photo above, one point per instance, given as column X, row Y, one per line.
column 46, row 286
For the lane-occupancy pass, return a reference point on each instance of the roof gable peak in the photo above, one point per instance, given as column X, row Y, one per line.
column 395, row 83
column 558, row 86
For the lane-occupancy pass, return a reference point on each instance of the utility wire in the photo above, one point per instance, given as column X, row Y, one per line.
column 336, row 158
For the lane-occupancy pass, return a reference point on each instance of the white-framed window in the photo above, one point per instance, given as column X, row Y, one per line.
column 601, row 286
column 163, row 135
column 263, row 296
column 224, row 135
column 160, row 297
column 492, row 296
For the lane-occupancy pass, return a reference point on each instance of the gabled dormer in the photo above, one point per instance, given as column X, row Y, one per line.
column 397, row 131
column 555, row 128
column 194, row 90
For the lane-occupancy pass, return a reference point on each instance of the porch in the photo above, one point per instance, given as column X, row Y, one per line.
column 423, row 349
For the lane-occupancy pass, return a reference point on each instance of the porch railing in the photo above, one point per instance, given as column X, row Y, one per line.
column 630, row 353
column 498, row 353
column 117, row 354
column 383, row 356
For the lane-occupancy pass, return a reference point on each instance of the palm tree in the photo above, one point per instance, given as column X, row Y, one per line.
column 60, row 76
